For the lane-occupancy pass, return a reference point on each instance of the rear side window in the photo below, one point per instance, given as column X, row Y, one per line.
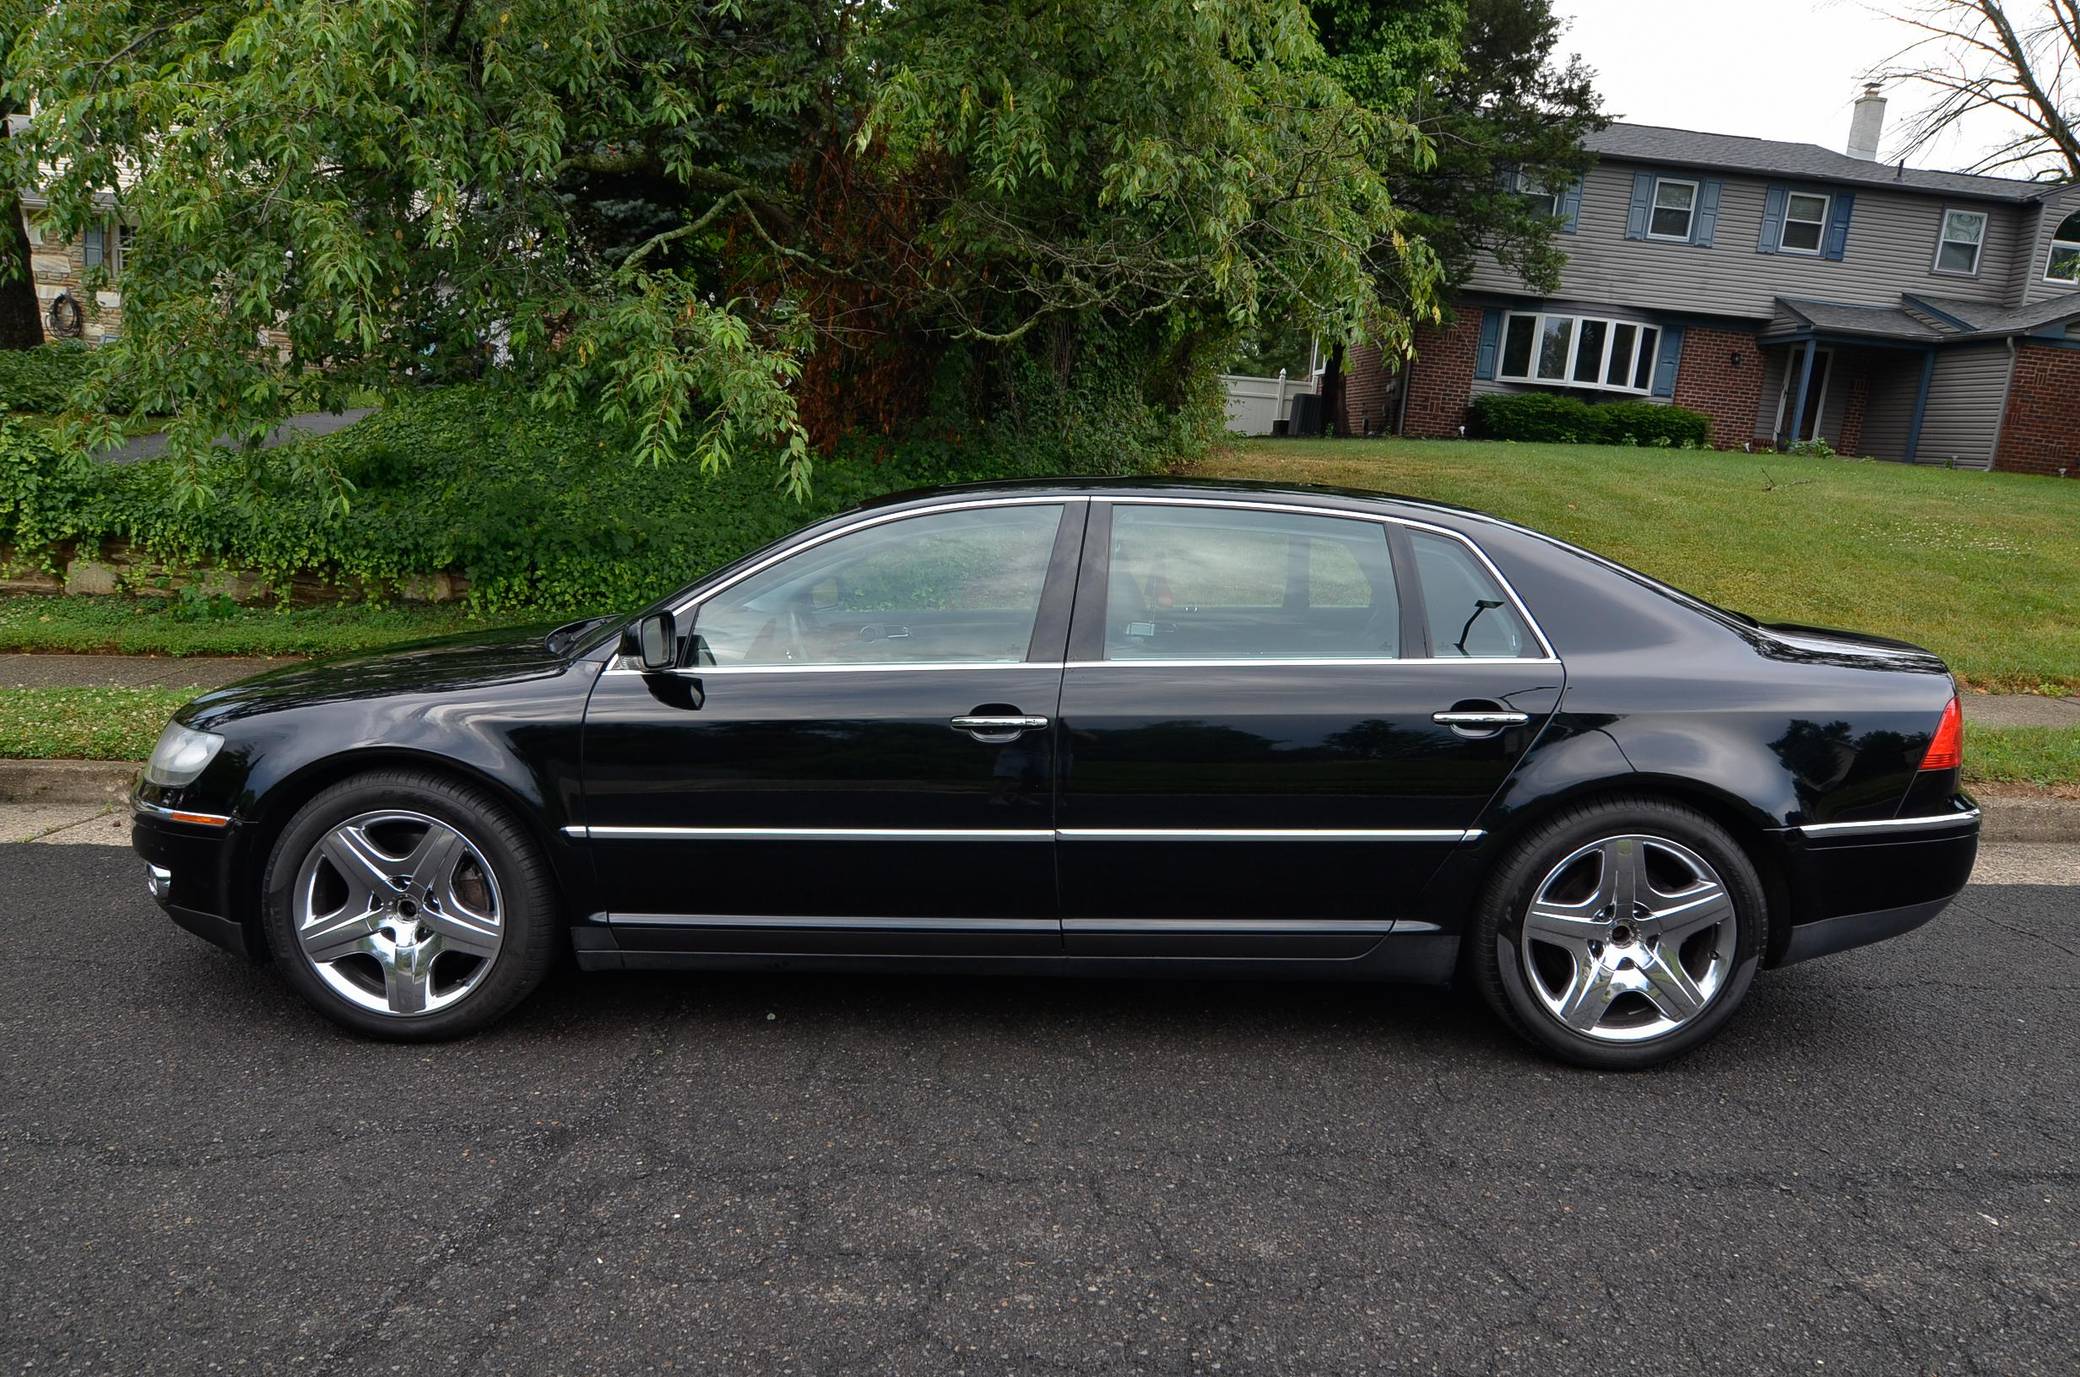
column 1212, row 583
column 1468, row 613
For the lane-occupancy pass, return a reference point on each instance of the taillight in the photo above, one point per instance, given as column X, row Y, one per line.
column 1946, row 751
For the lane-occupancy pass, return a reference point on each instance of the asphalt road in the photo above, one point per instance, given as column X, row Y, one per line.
column 1873, row 1170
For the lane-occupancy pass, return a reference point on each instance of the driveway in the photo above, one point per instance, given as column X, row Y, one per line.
column 1873, row 1170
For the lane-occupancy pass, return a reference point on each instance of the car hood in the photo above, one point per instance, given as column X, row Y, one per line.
column 448, row 664
column 1851, row 649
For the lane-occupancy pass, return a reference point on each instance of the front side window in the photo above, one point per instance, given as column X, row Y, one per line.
column 1805, row 223
column 1578, row 351
column 953, row 587
column 1217, row 583
column 1964, row 233
column 2063, row 265
column 1469, row 615
column 1675, row 205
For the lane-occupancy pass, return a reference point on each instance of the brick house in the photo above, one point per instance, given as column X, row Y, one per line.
column 1786, row 291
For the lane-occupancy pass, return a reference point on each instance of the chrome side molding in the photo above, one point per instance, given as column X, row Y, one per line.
column 1880, row 826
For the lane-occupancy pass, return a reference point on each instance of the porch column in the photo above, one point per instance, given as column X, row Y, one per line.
column 1805, row 381
column 1928, row 375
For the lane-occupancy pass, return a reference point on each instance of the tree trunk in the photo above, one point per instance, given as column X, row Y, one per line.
column 1332, row 392
column 21, row 323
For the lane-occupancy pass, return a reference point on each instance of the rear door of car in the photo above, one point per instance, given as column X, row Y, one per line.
column 1277, row 721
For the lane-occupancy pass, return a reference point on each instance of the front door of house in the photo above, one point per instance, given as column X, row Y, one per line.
column 1816, row 396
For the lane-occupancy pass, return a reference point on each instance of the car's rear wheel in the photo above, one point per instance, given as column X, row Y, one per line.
column 407, row 905
column 1620, row 934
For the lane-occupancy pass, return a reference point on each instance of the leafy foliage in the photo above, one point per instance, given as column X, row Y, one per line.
column 47, row 378
column 718, row 225
column 1552, row 416
column 1480, row 80
column 542, row 513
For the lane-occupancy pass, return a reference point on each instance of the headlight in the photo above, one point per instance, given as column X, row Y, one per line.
column 181, row 755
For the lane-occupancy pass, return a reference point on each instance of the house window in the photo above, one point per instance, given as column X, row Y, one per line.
column 1578, row 351
column 1675, row 209
column 1540, row 197
column 1964, row 234
column 103, row 247
column 2064, row 263
column 1805, row 223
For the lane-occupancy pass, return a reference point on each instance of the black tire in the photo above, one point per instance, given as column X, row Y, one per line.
column 1494, row 954
column 526, row 894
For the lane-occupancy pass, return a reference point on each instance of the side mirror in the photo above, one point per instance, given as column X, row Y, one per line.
column 652, row 642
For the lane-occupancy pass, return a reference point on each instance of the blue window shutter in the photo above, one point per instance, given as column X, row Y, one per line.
column 91, row 246
column 1773, row 219
column 1706, row 222
column 1642, row 201
column 1665, row 366
column 1491, row 338
column 1837, row 243
column 1571, row 206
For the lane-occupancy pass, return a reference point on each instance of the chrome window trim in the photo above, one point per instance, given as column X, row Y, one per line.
column 619, row 663
column 1271, row 663
column 1381, row 518
column 1025, row 834
column 1882, row 825
column 912, row 667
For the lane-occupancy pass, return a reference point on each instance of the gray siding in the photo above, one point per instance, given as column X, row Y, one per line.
column 2029, row 266
column 1891, row 249
column 1964, row 406
column 1888, row 416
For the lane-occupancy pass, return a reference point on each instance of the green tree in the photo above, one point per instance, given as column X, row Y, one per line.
column 716, row 223
column 1480, row 79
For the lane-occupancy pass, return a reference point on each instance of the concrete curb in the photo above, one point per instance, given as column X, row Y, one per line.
column 67, row 781
column 2030, row 820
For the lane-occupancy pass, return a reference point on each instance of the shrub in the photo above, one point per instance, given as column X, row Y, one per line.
column 43, row 378
column 543, row 512
column 1553, row 416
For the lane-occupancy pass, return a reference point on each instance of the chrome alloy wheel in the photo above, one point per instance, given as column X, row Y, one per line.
column 1629, row 938
column 398, row 913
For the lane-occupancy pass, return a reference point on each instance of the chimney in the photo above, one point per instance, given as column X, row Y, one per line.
column 1867, row 124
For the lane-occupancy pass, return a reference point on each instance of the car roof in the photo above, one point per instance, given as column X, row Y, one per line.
column 1309, row 494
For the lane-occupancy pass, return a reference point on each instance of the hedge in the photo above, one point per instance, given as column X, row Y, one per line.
column 544, row 513
column 42, row 379
column 1553, row 417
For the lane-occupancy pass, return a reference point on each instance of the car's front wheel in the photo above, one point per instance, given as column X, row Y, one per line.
column 1620, row 934
column 407, row 905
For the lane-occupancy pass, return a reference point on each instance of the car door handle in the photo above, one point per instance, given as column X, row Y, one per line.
column 999, row 725
column 1480, row 719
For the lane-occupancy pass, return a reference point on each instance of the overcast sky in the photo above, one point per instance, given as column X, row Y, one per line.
column 1776, row 69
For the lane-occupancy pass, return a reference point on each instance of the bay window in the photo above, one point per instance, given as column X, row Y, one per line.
column 1578, row 351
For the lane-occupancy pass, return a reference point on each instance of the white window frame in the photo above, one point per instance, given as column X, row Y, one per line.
column 1534, row 190
column 1826, row 214
column 1640, row 331
column 1654, row 204
column 1978, row 246
column 2052, row 252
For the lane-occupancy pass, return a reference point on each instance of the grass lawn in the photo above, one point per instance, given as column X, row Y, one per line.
column 153, row 626
column 1982, row 568
column 122, row 724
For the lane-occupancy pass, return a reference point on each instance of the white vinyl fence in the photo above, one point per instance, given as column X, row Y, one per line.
column 1254, row 403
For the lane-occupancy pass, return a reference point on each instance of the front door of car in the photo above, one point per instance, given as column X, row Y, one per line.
column 857, row 752
column 1277, row 722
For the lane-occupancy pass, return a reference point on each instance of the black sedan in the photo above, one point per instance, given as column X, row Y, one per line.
column 1088, row 727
